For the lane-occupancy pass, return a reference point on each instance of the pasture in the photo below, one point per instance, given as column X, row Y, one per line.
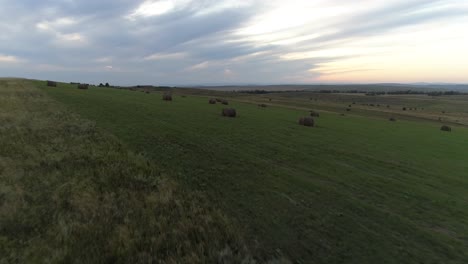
column 353, row 189
column 72, row 193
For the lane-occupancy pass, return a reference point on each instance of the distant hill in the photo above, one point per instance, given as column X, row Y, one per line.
column 343, row 87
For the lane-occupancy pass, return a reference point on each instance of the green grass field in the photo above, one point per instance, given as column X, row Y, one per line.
column 354, row 189
column 72, row 193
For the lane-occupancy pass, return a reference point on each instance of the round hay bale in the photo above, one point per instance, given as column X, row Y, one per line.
column 314, row 113
column 83, row 86
column 306, row 121
column 167, row 97
column 348, row 109
column 51, row 84
column 212, row 101
column 229, row 112
column 392, row 119
column 262, row 105
column 404, row 108
column 446, row 128
column 224, row 102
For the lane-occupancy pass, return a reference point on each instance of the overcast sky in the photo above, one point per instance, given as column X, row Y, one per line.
column 181, row 42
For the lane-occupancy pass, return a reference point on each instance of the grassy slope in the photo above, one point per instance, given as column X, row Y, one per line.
column 354, row 189
column 70, row 193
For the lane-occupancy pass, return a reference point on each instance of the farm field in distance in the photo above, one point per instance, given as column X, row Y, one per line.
column 356, row 188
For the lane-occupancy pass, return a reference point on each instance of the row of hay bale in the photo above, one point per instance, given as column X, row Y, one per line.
column 303, row 121
column 218, row 100
column 227, row 112
column 442, row 128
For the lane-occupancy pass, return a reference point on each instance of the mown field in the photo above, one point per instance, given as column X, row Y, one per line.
column 72, row 193
column 355, row 189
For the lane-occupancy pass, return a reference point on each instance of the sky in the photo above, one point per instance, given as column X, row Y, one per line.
column 213, row 42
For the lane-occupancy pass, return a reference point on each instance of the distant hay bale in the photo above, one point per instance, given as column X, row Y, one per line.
column 269, row 99
column 348, row 109
column 349, row 106
column 212, row 101
column 229, row 112
column 51, row 84
column 167, row 97
column 83, row 86
column 224, row 102
column 392, row 119
column 306, row 121
column 314, row 113
column 262, row 105
column 446, row 128
column 404, row 108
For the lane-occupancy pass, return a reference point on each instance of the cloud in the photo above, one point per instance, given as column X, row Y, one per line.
column 252, row 41
column 167, row 56
column 9, row 59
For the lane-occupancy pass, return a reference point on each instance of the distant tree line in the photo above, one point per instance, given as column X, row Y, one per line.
column 255, row 91
column 400, row 92
column 444, row 93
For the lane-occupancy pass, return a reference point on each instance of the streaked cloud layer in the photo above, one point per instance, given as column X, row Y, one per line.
column 222, row 42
